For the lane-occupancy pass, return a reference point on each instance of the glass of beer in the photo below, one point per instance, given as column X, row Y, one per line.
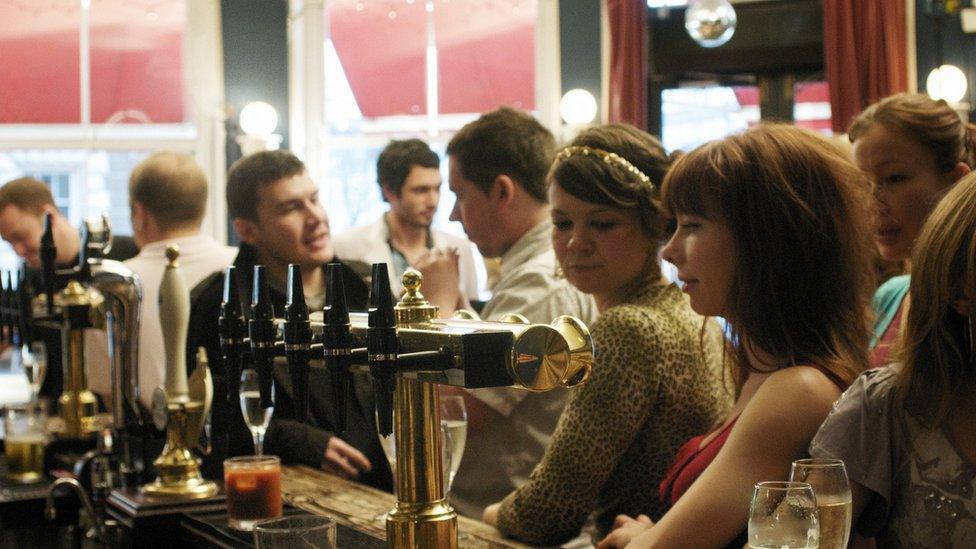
column 253, row 486
column 833, row 492
column 24, row 442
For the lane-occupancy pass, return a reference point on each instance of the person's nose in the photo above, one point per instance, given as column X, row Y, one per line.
column 580, row 241
column 671, row 251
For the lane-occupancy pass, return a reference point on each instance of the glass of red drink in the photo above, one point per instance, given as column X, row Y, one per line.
column 253, row 486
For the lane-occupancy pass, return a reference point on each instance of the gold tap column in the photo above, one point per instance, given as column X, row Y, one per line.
column 422, row 517
column 77, row 404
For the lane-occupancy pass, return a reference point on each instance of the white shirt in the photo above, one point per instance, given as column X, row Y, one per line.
column 499, row 459
column 370, row 244
column 200, row 256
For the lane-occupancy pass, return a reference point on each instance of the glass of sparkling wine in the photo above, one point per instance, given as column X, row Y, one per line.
column 33, row 360
column 24, row 427
column 833, row 493
column 256, row 417
column 454, row 432
column 783, row 515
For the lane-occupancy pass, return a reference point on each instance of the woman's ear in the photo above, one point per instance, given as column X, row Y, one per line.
column 959, row 171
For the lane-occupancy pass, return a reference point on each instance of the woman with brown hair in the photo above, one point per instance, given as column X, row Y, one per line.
column 656, row 376
column 908, row 433
column 769, row 236
column 913, row 148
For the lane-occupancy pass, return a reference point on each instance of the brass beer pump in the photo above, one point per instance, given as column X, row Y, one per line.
column 409, row 352
column 180, row 406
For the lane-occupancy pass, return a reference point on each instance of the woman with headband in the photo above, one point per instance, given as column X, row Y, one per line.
column 771, row 236
column 656, row 377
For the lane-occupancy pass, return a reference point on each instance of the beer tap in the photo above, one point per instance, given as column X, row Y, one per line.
column 382, row 346
column 25, row 324
column 337, row 343
column 48, row 255
column 262, row 332
column 233, row 336
column 7, row 321
column 297, row 331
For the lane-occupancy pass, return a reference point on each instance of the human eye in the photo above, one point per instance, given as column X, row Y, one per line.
column 561, row 224
column 603, row 224
column 894, row 178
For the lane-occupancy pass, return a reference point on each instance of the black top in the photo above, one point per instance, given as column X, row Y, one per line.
column 294, row 442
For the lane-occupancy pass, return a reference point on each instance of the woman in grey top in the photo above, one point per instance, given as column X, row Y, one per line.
column 908, row 433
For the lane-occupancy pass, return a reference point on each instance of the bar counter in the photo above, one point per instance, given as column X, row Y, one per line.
column 363, row 508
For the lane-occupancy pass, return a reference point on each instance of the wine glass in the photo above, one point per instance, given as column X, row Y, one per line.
column 454, row 432
column 257, row 418
column 783, row 515
column 33, row 360
column 828, row 477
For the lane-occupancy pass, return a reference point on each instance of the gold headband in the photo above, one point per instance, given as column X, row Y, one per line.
column 608, row 157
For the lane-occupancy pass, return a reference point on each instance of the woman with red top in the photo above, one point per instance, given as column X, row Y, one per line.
column 914, row 148
column 769, row 236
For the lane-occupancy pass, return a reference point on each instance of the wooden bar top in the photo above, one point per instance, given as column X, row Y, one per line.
column 364, row 508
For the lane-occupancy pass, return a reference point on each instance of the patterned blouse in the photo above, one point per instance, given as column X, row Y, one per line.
column 651, row 389
column 922, row 487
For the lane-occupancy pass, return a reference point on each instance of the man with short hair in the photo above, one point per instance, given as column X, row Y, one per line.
column 167, row 200
column 409, row 177
column 498, row 167
column 23, row 203
column 276, row 212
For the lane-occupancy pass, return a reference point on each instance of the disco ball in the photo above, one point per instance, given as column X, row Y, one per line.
column 711, row 23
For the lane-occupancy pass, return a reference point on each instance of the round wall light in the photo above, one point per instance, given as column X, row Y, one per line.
column 946, row 82
column 577, row 106
column 259, row 118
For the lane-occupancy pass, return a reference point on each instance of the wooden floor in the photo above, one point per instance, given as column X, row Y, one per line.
column 364, row 508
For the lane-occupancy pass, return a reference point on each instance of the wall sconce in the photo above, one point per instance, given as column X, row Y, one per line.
column 577, row 107
column 947, row 82
column 258, row 120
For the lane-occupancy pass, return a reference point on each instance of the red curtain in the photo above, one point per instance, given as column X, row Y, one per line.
column 628, row 61
column 865, row 54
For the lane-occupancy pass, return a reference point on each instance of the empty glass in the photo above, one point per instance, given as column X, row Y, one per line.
column 833, row 493
column 296, row 531
column 32, row 360
column 783, row 515
column 256, row 417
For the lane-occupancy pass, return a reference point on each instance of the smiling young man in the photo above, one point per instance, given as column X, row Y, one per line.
column 408, row 173
column 276, row 212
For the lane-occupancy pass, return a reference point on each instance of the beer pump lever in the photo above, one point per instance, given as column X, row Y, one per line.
column 262, row 332
column 233, row 336
column 297, row 331
column 382, row 347
column 337, row 343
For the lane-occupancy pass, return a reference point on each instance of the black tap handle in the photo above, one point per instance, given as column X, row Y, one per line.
column 84, row 270
column 25, row 313
column 382, row 346
column 298, row 340
column 337, row 342
column 6, row 316
column 261, row 330
column 48, row 254
column 233, row 331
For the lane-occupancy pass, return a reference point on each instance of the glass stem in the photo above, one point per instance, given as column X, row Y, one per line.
column 258, row 442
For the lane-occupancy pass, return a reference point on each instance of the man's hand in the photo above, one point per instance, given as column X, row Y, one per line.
column 624, row 530
column 342, row 459
column 442, row 279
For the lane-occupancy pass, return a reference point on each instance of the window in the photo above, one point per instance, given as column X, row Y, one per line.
column 105, row 88
column 696, row 114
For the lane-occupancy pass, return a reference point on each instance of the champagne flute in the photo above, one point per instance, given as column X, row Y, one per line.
column 783, row 515
column 257, row 418
column 454, row 431
column 33, row 360
column 833, row 494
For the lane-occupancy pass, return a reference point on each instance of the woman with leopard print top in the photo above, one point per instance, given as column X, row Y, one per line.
column 656, row 377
